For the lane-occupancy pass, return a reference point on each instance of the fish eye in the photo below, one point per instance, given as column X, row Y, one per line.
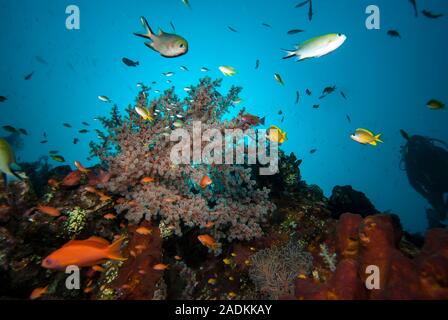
column 339, row 34
column 182, row 45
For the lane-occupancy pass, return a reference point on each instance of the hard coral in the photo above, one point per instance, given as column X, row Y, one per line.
column 134, row 149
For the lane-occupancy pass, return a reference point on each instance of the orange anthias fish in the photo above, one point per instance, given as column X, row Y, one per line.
column 160, row 267
column 81, row 168
column 109, row 216
column 38, row 292
column 205, row 182
column 147, row 180
column 208, row 241
column 143, row 231
column 84, row 253
column 53, row 212
column 72, row 179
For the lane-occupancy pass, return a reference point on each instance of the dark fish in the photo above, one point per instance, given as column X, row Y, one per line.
column 3, row 98
column 295, row 31
column 23, row 131
column 67, row 125
column 85, row 123
column 41, row 60
column 54, row 152
column 349, row 119
column 29, row 76
column 313, row 151
column 327, row 91
column 316, row 106
column 301, row 4
column 283, row 119
column 297, row 97
column 308, row 92
column 310, row 11
column 44, row 141
column 266, row 25
column 280, row 112
column 232, row 29
column 83, row 131
column 9, row 129
column 172, row 26
column 45, row 135
column 129, row 62
column 394, row 34
column 431, row 15
column 343, row 95
column 404, row 134
column 75, row 141
column 414, row 4
column 257, row 64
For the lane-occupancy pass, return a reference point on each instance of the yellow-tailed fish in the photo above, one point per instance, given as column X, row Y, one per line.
column 317, row 47
column 167, row 44
column 7, row 159
column 435, row 104
column 227, row 70
column 365, row 136
column 144, row 113
column 275, row 134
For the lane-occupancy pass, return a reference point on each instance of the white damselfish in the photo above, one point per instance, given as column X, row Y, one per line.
column 317, row 47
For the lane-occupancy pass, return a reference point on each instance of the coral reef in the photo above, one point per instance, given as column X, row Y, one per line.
column 273, row 270
column 277, row 237
column 374, row 241
column 345, row 199
column 234, row 204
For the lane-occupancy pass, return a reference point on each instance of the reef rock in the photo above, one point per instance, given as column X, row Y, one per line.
column 345, row 199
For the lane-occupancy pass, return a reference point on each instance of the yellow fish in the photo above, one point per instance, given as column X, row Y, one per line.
column 275, row 134
column 365, row 136
column 144, row 113
column 7, row 159
column 227, row 70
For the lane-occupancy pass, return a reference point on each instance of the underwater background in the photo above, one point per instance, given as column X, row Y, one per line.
column 387, row 80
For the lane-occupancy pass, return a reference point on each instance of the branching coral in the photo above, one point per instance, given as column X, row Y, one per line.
column 274, row 270
column 135, row 148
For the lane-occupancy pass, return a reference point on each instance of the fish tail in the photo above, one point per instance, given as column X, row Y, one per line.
column 289, row 54
column 378, row 138
column 114, row 252
column 262, row 121
column 149, row 34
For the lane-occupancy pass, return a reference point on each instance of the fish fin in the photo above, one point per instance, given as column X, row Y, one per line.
column 149, row 34
column 263, row 120
column 366, row 131
column 150, row 45
column 378, row 138
column 113, row 251
column 161, row 32
column 99, row 240
column 373, row 143
column 289, row 54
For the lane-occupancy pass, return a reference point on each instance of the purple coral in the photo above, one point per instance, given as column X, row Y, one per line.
column 135, row 148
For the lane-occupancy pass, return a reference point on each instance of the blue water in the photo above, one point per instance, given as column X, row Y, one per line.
column 387, row 80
